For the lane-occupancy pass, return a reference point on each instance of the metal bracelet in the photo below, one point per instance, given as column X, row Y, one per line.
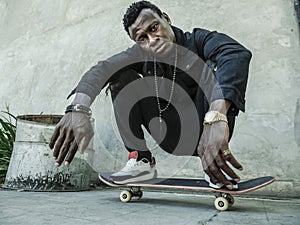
column 79, row 108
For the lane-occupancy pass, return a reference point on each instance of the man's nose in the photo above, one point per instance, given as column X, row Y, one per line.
column 152, row 40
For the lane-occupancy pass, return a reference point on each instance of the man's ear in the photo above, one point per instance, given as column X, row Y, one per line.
column 165, row 15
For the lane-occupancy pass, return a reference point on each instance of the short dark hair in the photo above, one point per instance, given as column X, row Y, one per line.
column 134, row 10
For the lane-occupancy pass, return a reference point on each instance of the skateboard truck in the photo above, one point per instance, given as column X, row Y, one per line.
column 223, row 201
column 126, row 196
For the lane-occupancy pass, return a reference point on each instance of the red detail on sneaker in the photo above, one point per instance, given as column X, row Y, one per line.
column 153, row 162
column 133, row 155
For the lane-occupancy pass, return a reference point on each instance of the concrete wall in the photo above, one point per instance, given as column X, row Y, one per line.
column 45, row 47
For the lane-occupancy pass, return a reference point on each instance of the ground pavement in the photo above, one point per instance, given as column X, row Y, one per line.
column 102, row 206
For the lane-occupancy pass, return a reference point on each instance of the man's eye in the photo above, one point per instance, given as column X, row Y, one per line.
column 154, row 27
column 141, row 39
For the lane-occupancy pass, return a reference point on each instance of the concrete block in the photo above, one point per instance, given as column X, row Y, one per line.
column 32, row 166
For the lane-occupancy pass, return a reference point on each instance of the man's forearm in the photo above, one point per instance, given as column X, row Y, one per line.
column 220, row 105
column 82, row 99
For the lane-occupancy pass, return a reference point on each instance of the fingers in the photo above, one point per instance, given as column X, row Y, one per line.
column 73, row 129
column 225, row 169
column 65, row 148
column 213, row 179
column 217, row 170
column 67, row 145
column 58, row 145
column 232, row 160
column 62, row 154
column 74, row 146
column 213, row 170
column 217, row 167
column 85, row 141
column 218, row 178
column 62, row 146
column 71, row 154
column 54, row 137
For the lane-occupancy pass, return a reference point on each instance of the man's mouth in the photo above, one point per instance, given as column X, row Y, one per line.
column 160, row 49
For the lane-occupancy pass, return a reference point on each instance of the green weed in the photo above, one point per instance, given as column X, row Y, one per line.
column 7, row 138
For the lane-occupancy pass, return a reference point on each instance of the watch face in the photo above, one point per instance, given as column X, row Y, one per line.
column 210, row 116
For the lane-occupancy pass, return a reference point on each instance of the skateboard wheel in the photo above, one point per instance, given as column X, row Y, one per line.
column 125, row 196
column 221, row 204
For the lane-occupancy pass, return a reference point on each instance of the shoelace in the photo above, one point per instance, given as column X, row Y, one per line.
column 130, row 164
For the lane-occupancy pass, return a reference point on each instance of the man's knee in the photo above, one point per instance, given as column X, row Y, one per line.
column 123, row 78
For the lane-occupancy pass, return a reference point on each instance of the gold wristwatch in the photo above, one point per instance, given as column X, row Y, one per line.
column 214, row 116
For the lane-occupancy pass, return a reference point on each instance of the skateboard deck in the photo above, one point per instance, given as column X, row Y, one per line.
column 224, row 198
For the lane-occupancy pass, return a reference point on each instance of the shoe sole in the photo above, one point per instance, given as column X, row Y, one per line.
column 140, row 178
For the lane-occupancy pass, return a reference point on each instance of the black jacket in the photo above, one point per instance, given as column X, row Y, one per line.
column 228, row 60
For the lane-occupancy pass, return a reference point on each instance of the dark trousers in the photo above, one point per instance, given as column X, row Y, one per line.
column 143, row 112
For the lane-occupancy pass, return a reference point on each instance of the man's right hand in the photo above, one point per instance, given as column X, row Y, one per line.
column 74, row 130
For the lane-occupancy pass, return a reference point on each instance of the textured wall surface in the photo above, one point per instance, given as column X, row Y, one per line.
column 46, row 46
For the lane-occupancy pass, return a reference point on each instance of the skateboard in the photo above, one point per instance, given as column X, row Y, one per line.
column 224, row 198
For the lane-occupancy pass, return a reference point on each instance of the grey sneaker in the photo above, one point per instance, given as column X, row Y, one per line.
column 135, row 171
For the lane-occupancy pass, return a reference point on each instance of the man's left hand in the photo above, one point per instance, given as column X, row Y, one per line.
column 213, row 142
column 214, row 139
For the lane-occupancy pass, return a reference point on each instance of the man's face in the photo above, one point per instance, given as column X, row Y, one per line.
column 153, row 33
